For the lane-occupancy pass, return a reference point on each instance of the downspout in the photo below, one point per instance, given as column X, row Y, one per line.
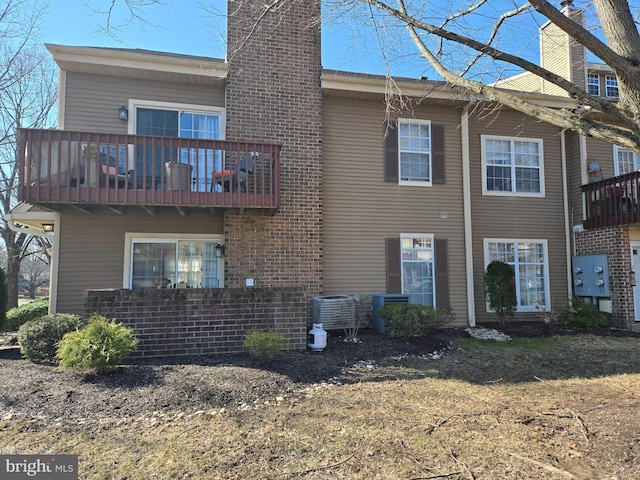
column 466, row 195
column 584, row 176
column 55, row 255
column 568, row 228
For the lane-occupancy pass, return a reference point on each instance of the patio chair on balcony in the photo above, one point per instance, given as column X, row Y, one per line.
column 110, row 174
column 234, row 179
column 112, row 178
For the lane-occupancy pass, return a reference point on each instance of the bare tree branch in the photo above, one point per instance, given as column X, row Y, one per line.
column 624, row 131
column 27, row 98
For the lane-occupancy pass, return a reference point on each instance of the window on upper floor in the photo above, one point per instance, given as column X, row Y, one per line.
column 512, row 166
column 185, row 121
column 529, row 260
column 414, row 152
column 593, row 84
column 611, row 85
column 625, row 160
column 172, row 261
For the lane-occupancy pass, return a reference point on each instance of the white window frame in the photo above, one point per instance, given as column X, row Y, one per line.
column 611, row 82
column 617, row 150
column 593, row 81
column 414, row 121
column 131, row 237
column 134, row 104
column 431, row 238
column 545, row 252
column 512, row 192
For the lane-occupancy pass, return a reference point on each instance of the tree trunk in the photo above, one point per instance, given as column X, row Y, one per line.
column 13, row 274
column 622, row 37
column 13, row 243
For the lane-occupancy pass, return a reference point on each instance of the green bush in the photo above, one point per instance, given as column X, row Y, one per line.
column 411, row 320
column 500, row 285
column 99, row 346
column 29, row 311
column 265, row 345
column 581, row 314
column 38, row 339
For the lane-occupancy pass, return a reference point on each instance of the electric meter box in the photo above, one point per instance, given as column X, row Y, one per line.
column 590, row 275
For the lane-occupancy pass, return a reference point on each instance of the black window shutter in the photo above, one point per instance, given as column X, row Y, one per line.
column 442, row 273
column 390, row 151
column 394, row 284
column 437, row 153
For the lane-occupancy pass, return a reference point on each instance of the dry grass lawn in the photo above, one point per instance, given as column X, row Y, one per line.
column 419, row 425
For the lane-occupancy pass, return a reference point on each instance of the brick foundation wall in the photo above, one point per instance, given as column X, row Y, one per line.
column 273, row 94
column 613, row 242
column 200, row 321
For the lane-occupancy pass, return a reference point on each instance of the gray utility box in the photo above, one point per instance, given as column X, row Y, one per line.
column 380, row 300
column 590, row 276
column 334, row 311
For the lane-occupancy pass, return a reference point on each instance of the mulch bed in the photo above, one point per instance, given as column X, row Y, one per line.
column 187, row 384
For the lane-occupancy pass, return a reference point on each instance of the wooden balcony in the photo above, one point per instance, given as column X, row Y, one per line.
column 66, row 167
column 612, row 202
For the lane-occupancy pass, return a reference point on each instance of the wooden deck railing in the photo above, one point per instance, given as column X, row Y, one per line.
column 613, row 201
column 58, row 166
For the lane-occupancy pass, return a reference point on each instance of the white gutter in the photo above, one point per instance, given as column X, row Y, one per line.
column 568, row 228
column 466, row 195
column 144, row 60
column 434, row 89
column 584, row 176
column 62, row 98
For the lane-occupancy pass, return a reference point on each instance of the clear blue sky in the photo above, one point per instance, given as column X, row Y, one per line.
column 182, row 26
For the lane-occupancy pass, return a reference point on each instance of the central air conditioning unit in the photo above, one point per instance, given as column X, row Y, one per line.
column 334, row 311
column 380, row 300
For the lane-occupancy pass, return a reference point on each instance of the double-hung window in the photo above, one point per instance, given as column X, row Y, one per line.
column 593, row 84
column 611, row 86
column 530, row 263
column 184, row 121
column 414, row 151
column 164, row 261
column 625, row 160
column 512, row 165
column 418, row 268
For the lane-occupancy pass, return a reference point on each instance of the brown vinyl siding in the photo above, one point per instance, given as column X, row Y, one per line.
column 361, row 210
column 92, row 246
column 575, row 177
column 86, row 110
column 601, row 152
column 515, row 217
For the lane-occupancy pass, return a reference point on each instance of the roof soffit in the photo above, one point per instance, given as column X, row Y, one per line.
column 140, row 64
column 363, row 86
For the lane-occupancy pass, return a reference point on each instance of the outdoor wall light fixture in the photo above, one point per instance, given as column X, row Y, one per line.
column 47, row 227
column 219, row 250
column 123, row 113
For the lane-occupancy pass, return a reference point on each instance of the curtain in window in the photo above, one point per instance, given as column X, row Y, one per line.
column 174, row 264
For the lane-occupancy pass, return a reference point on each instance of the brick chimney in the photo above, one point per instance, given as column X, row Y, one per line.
column 273, row 94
